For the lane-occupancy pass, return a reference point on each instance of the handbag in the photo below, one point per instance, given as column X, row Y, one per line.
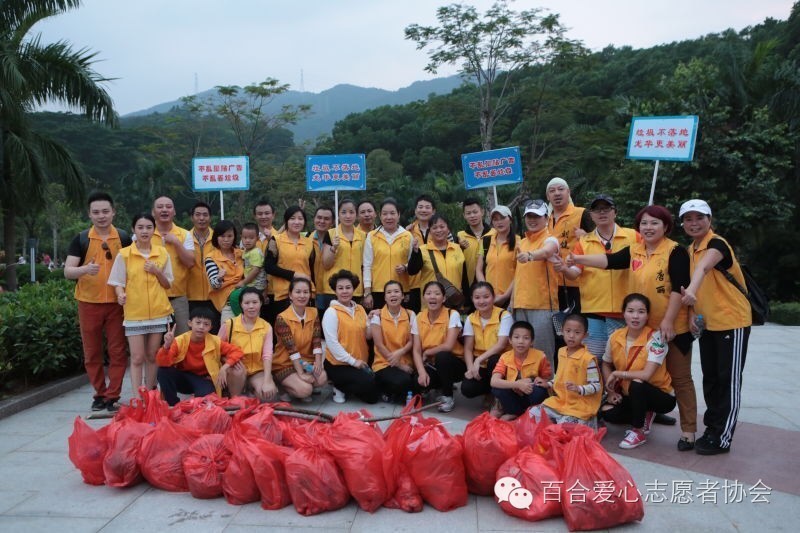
column 759, row 303
column 453, row 297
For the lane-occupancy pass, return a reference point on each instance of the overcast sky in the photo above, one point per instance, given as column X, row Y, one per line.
column 159, row 49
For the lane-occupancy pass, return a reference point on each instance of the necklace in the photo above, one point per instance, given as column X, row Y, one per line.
column 606, row 241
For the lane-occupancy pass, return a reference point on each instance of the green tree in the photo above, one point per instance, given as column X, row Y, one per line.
column 32, row 73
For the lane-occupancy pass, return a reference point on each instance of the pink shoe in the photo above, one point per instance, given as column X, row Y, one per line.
column 633, row 439
column 648, row 421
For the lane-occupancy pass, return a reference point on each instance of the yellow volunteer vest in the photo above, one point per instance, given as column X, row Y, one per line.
column 181, row 273
column 602, row 291
column 234, row 272
column 349, row 256
column 95, row 289
column 434, row 333
column 451, row 265
column 530, row 367
column 622, row 357
column 197, row 286
column 650, row 276
column 352, row 333
column 291, row 256
column 211, row 355
column 485, row 336
column 471, row 252
column 251, row 342
column 303, row 334
column 722, row 305
column 573, row 368
column 262, row 245
column 563, row 229
column 385, row 257
column 146, row 299
column 395, row 336
column 499, row 265
column 531, row 287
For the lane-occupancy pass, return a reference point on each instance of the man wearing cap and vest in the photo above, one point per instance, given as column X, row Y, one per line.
column 470, row 239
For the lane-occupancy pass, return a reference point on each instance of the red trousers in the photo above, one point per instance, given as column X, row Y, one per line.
column 96, row 319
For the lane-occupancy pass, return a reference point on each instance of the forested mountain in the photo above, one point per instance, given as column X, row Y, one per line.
column 570, row 118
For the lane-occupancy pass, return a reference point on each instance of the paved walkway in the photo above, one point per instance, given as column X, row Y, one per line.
column 40, row 490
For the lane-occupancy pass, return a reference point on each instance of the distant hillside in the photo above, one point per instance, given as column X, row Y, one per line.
column 335, row 103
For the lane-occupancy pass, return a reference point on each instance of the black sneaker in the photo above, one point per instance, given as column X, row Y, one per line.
column 709, row 445
column 112, row 405
column 664, row 420
column 98, row 404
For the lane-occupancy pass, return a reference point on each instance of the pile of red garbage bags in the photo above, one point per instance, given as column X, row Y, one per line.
column 259, row 455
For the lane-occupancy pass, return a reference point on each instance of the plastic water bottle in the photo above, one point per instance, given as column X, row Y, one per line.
column 700, row 324
column 308, row 367
column 409, row 398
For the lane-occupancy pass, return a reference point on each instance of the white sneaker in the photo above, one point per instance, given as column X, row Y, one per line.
column 448, row 403
column 633, row 439
column 338, row 396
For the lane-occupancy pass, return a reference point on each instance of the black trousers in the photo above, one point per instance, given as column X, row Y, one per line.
column 172, row 381
column 722, row 356
column 446, row 370
column 274, row 308
column 641, row 398
column 568, row 296
column 472, row 388
column 354, row 381
column 395, row 383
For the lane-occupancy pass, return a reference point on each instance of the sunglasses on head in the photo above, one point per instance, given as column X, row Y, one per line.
column 105, row 247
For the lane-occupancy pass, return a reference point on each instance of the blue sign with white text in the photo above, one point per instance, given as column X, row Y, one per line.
column 336, row 172
column 492, row 167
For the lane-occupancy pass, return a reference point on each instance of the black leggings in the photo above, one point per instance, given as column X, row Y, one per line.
column 472, row 388
column 641, row 398
column 395, row 383
column 354, row 381
column 446, row 370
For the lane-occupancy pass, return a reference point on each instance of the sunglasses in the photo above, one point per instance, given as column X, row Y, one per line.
column 105, row 247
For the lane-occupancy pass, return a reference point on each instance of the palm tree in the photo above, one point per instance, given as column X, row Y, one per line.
column 32, row 74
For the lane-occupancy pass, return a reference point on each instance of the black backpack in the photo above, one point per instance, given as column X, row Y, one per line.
column 759, row 303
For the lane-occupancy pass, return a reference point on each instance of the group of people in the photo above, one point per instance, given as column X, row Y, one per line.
column 578, row 319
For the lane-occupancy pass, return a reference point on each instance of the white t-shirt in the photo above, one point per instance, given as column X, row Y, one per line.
column 506, row 321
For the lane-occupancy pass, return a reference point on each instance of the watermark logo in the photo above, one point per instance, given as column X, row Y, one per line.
column 508, row 489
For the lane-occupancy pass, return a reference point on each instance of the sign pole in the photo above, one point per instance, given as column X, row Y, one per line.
column 494, row 191
column 653, row 187
column 336, row 208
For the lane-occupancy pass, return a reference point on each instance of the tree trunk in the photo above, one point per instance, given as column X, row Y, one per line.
column 9, row 240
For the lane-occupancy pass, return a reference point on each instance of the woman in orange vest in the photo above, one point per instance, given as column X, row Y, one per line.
column 387, row 250
column 497, row 257
column 659, row 268
column 290, row 255
column 298, row 363
column 726, row 321
column 438, row 355
column 346, row 333
column 253, row 335
column 346, row 251
column 485, row 335
column 224, row 267
column 635, row 375
column 391, row 334
column 141, row 275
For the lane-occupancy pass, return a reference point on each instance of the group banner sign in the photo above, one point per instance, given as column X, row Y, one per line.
column 663, row 138
column 492, row 167
column 346, row 172
column 221, row 173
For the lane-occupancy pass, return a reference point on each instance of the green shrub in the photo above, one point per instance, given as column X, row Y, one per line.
column 39, row 333
column 787, row 313
column 43, row 274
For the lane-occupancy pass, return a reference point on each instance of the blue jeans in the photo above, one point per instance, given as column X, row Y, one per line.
column 600, row 329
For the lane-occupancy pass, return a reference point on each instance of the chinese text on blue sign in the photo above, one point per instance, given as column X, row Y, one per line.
column 336, row 172
column 492, row 167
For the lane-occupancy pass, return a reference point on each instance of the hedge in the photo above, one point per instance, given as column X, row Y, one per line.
column 787, row 313
column 39, row 333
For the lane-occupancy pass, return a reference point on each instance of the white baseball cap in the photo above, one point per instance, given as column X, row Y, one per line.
column 502, row 210
column 536, row 207
column 697, row 205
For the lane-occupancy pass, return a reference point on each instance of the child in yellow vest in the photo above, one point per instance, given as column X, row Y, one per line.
column 634, row 371
column 192, row 363
column 519, row 380
column 577, row 388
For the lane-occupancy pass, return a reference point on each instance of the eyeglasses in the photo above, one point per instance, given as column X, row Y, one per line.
column 105, row 247
column 606, row 209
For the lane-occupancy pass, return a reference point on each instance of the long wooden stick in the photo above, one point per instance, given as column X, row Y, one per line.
column 395, row 417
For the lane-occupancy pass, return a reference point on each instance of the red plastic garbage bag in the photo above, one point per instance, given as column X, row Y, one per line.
column 207, row 418
column 359, row 449
column 161, row 455
column 488, row 443
column 406, row 495
column 599, row 493
column 120, row 464
column 263, row 418
column 150, row 407
column 539, row 492
column 203, row 464
column 436, row 464
column 315, row 482
column 529, row 426
column 551, row 441
column 87, row 448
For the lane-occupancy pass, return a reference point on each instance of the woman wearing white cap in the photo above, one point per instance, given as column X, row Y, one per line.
column 534, row 294
column 497, row 256
column 727, row 319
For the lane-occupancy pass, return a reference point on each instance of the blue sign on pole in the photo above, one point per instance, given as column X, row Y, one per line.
column 336, row 172
column 492, row 167
column 663, row 138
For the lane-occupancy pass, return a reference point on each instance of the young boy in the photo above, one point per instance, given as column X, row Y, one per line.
column 577, row 386
column 519, row 379
column 254, row 275
column 191, row 363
